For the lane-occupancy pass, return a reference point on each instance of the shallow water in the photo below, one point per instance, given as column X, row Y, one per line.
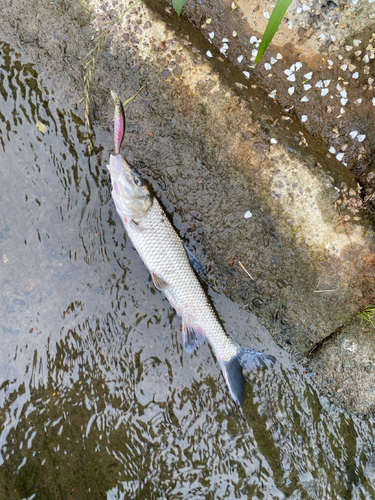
column 97, row 398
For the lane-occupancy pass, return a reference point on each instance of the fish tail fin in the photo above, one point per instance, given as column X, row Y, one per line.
column 232, row 370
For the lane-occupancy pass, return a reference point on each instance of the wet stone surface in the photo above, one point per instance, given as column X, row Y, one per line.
column 97, row 398
column 319, row 65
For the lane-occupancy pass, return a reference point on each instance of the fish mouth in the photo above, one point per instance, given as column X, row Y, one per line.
column 115, row 165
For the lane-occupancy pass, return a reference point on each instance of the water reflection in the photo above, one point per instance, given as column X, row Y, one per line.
column 97, row 398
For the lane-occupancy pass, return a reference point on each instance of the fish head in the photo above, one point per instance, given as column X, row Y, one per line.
column 129, row 192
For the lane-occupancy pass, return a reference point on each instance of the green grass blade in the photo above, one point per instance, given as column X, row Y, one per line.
column 272, row 26
column 178, row 4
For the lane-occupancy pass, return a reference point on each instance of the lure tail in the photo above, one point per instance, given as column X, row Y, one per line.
column 118, row 122
column 232, row 370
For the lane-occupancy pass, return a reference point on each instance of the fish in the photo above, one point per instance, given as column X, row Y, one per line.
column 163, row 253
column 118, row 121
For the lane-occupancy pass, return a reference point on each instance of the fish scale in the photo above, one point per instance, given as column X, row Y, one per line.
column 163, row 253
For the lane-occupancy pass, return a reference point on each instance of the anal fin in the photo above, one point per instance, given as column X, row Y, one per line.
column 159, row 283
column 191, row 337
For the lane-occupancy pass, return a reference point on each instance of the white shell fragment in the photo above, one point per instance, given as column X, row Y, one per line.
column 343, row 101
column 308, row 75
column 340, row 156
column 353, row 134
column 324, row 92
column 291, row 78
column 355, row 75
column 356, row 42
column 373, row 99
column 326, row 82
column 344, row 67
column 304, row 118
column 273, row 60
column 279, row 56
column 273, row 141
column 304, row 99
column 343, row 93
column 246, row 73
column 209, row 54
column 272, row 94
column 319, row 84
column 291, row 91
column 248, row 214
column 240, row 58
column 307, row 86
column 211, row 35
column 332, row 150
column 266, row 14
column 361, row 138
column 267, row 66
column 298, row 65
column 253, row 39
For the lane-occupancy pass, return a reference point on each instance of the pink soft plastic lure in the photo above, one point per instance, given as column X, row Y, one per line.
column 119, row 122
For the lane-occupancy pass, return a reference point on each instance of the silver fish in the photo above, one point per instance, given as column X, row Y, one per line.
column 164, row 255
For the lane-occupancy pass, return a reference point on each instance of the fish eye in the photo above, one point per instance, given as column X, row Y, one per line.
column 138, row 181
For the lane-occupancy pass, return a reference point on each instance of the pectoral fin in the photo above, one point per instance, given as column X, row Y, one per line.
column 159, row 283
column 135, row 225
column 192, row 337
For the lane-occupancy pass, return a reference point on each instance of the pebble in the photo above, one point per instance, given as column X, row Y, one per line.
column 258, row 303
